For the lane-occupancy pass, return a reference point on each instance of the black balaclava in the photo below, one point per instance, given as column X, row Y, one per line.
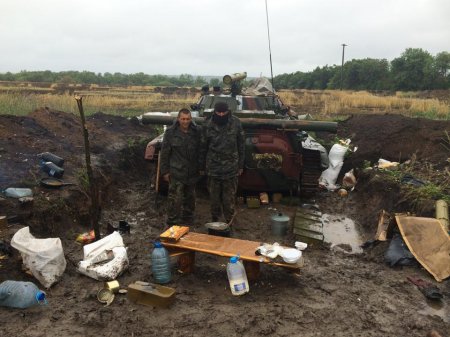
column 221, row 107
column 221, row 120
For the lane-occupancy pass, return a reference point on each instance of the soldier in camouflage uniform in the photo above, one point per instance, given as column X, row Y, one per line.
column 222, row 157
column 180, row 167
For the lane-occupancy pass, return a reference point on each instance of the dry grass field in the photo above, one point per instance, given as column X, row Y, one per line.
column 20, row 98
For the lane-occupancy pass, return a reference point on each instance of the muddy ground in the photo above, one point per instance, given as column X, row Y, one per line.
column 336, row 293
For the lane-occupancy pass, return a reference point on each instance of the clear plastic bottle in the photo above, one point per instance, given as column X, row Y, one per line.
column 237, row 277
column 17, row 192
column 19, row 294
column 161, row 264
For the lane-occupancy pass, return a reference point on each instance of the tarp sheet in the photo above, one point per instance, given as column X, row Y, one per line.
column 428, row 242
column 260, row 87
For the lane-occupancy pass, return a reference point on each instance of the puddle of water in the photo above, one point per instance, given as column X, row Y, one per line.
column 436, row 308
column 338, row 229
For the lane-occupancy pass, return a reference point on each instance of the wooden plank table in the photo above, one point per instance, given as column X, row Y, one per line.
column 186, row 247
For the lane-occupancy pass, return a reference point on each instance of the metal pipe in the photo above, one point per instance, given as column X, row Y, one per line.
column 255, row 123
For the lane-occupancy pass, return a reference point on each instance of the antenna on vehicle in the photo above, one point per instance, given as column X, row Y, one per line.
column 270, row 51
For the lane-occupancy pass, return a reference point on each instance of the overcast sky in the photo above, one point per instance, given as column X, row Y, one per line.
column 213, row 37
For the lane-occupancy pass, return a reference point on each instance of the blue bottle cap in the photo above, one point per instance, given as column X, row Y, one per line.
column 40, row 297
column 234, row 259
column 158, row 244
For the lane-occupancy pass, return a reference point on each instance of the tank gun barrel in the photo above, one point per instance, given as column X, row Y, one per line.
column 255, row 123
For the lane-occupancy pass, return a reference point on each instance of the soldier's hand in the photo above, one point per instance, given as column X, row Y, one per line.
column 166, row 177
column 240, row 172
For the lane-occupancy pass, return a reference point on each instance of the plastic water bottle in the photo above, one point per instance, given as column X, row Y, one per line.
column 17, row 192
column 161, row 264
column 19, row 294
column 47, row 156
column 237, row 277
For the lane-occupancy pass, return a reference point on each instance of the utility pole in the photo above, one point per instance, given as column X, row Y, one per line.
column 342, row 66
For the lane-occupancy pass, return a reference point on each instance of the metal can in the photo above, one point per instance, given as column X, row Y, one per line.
column 113, row 286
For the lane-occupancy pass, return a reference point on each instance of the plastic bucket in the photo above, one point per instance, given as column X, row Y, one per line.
column 280, row 224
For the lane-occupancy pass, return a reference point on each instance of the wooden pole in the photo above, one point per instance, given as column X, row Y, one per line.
column 94, row 210
column 158, row 172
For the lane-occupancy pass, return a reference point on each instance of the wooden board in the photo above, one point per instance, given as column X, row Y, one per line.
column 227, row 247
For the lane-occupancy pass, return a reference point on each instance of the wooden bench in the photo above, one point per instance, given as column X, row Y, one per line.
column 186, row 247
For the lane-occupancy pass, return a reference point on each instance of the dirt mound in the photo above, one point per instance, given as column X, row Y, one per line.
column 60, row 133
column 396, row 138
column 333, row 286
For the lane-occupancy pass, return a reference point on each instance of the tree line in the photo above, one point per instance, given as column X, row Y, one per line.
column 109, row 79
column 415, row 69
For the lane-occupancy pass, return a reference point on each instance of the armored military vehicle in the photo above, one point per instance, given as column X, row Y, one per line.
column 279, row 154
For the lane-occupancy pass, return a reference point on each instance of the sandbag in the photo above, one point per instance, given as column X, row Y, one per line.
column 104, row 271
column 336, row 159
column 43, row 257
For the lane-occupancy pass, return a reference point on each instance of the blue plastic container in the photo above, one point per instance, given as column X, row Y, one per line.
column 161, row 264
column 19, row 294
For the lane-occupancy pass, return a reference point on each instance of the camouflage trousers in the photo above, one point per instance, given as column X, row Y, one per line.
column 222, row 194
column 180, row 203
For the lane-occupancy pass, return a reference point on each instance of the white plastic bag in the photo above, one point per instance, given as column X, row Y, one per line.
column 44, row 257
column 384, row 164
column 349, row 180
column 104, row 271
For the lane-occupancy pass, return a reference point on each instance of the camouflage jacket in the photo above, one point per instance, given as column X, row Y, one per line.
column 222, row 148
column 180, row 153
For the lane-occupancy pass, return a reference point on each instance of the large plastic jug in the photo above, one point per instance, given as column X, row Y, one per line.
column 19, row 294
column 237, row 276
column 161, row 264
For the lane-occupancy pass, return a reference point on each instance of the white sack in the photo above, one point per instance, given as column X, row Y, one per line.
column 92, row 250
column 329, row 176
column 104, row 271
column 44, row 257
column 337, row 154
column 336, row 158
